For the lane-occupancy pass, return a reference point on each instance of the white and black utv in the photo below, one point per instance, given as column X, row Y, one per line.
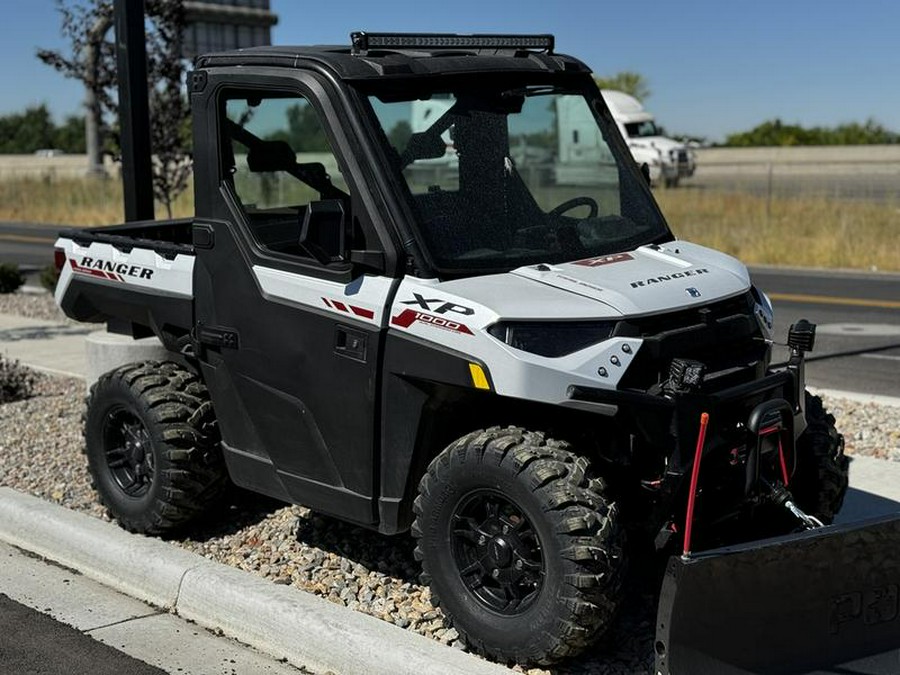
column 391, row 307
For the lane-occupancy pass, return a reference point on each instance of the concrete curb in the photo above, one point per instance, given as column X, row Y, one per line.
column 285, row 622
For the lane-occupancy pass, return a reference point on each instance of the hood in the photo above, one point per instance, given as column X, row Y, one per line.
column 661, row 142
column 648, row 280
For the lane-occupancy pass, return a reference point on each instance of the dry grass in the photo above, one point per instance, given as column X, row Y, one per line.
column 803, row 231
column 72, row 201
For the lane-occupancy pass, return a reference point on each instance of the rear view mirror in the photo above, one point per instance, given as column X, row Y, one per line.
column 323, row 231
column 271, row 156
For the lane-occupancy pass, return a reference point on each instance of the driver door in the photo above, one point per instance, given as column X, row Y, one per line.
column 289, row 346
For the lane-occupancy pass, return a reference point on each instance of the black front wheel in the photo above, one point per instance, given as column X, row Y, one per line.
column 820, row 482
column 519, row 544
column 152, row 445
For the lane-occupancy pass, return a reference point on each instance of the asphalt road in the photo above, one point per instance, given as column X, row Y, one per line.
column 856, row 312
column 858, row 318
column 32, row 643
column 28, row 244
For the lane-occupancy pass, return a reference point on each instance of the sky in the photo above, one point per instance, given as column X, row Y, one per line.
column 713, row 67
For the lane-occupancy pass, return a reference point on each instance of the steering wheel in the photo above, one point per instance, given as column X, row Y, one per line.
column 573, row 203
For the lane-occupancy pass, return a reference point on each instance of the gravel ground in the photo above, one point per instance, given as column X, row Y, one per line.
column 34, row 305
column 41, row 454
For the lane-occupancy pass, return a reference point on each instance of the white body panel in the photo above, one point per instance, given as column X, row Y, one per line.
column 456, row 314
column 140, row 267
column 363, row 299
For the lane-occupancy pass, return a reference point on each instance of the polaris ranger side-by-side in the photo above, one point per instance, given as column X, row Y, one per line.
column 429, row 331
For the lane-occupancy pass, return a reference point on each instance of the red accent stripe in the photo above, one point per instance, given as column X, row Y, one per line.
column 784, row 469
column 87, row 270
column 405, row 318
column 327, row 302
column 340, row 306
column 695, row 476
column 363, row 312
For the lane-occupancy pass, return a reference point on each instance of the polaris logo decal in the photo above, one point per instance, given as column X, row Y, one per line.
column 106, row 269
column 669, row 277
column 443, row 308
column 693, row 292
column 408, row 317
column 604, row 260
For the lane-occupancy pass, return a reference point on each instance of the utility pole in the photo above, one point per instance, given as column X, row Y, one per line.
column 134, row 109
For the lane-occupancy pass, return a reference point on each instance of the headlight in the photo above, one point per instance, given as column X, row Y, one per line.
column 551, row 339
column 764, row 311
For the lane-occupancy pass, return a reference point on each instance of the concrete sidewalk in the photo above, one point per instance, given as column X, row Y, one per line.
column 45, row 345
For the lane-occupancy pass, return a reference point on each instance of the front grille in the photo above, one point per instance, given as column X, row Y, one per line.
column 723, row 335
column 650, row 326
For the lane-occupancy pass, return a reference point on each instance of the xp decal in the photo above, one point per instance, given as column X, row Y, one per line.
column 442, row 308
column 604, row 260
column 410, row 316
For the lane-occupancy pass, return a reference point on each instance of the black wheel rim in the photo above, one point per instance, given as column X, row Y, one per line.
column 497, row 552
column 128, row 452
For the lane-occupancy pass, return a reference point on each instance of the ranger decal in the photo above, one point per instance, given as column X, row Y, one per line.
column 668, row 277
column 106, row 269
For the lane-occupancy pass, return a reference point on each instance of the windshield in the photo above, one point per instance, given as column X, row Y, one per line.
column 642, row 129
column 504, row 177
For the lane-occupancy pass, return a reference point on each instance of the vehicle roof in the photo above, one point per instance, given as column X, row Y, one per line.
column 625, row 107
column 399, row 63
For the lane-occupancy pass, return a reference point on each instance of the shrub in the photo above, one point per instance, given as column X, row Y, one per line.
column 16, row 381
column 10, row 278
column 49, row 277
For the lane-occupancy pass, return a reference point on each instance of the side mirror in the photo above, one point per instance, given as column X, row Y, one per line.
column 323, row 233
column 645, row 172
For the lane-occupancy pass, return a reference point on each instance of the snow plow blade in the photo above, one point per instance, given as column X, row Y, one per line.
column 822, row 601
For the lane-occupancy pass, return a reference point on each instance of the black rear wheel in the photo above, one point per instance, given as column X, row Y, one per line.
column 128, row 450
column 152, row 445
column 519, row 544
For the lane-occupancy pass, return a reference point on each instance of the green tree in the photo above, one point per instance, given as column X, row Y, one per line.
column 69, row 136
column 776, row 133
column 22, row 133
column 629, row 82
column 91, row 58
column 304, row 131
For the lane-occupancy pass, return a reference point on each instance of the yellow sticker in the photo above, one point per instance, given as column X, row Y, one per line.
column 479, row 379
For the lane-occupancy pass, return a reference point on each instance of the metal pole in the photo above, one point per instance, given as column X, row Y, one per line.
column 134, row 110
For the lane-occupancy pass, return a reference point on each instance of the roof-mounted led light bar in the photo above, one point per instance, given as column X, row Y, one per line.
column 363, row 42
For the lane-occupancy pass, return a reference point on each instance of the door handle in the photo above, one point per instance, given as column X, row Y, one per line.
column 350, row 343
